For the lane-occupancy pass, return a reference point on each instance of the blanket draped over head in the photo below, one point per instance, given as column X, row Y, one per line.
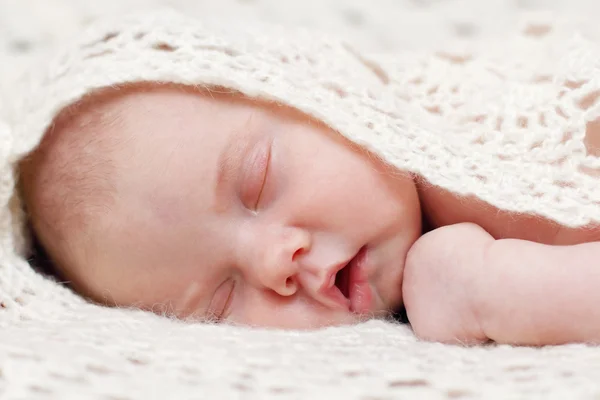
column 504, row 120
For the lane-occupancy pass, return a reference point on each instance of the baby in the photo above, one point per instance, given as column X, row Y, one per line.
column 204, row 204
column 198, row 202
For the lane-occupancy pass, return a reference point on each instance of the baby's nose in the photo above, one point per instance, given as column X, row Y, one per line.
column 280, row 262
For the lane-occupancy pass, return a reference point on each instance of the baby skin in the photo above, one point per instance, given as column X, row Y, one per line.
column 209, row 206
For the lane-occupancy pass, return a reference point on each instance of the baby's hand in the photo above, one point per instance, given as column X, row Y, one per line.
column 462, row 286
column 442, row 283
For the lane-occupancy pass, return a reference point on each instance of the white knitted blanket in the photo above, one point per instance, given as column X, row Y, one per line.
column 55, row 345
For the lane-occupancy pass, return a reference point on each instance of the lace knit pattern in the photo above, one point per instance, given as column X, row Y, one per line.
column 496, row 102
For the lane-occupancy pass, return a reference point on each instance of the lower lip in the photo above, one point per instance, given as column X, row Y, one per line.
column 361, row 296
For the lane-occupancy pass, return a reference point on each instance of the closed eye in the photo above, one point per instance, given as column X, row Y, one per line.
column 256, row 176
column 221, row 303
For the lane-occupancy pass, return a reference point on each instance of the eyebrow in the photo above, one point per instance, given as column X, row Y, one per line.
column 228, row 165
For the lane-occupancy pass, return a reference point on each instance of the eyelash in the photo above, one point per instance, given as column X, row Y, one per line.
column 265, row 160
column 263, row 181
column 222, row 314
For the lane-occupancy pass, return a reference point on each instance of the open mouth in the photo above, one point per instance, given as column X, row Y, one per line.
column 350, row 288
column 342, row 279
column 352, row 283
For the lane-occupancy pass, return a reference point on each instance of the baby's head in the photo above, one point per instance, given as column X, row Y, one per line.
column 206, row 204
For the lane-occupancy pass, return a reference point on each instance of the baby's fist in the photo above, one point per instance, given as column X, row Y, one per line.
column 442, row 284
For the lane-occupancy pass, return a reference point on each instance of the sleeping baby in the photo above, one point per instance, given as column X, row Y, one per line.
column 224, row 201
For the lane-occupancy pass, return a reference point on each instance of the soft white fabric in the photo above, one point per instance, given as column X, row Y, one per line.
column 456, row 116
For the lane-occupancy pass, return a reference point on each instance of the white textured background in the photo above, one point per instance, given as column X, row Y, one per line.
column 82, row 355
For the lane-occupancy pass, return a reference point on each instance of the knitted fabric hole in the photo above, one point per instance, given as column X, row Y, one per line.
column 105, row 39
column 409, row 383
column 370, row 65
column 481, row 140
column 458, row 394
column 592, row 138
column 242, row 387
column 98, row 369
column 536, row 145
column 138, row 361
column 590, row 171
column 542, row 79
column 567, row 137
column 560, row 112
column 537, row 30
column 110, row 36
column 574, row 84
column 246, row 376
column 162, row 46
column 454, row 58
column 433, row 109
column 99, row 54
column 522, row 122
column 589, row 100
column 478, row 119
column 335, row 88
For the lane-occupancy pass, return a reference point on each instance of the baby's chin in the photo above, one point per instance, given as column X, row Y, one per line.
column 389, row 288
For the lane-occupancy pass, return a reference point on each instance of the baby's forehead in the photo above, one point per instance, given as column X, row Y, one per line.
column 111, row 106
column 88, row 121
column 118, row 109
column 100, row 123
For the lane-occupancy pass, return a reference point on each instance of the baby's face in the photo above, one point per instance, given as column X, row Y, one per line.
column 244, row 212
